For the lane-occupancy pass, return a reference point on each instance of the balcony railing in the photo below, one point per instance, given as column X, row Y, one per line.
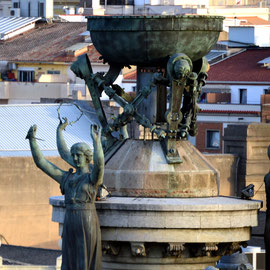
column 230, row 107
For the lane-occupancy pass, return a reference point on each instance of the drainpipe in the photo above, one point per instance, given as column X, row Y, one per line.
column 236, row 176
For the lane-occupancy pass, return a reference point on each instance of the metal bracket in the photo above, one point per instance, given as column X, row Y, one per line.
column 138, row 249
column 209, row 248
column 110, row 248
column 175, row 249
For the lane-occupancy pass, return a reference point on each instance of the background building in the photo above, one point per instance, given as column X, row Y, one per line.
column 32, row 8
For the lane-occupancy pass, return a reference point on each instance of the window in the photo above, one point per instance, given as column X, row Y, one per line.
column 29, row 9
column 26, row 76
column 243, row 96
column 41, row 10
column 267, row 91
column 213, row 139
column 117, row 2
column 16, row 5
column 53, row 72
column 203, row 98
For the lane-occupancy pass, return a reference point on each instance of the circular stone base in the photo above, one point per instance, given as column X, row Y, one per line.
column 120, row 266
column 169, row 233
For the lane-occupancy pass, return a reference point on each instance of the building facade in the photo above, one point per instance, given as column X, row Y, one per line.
column 232, row 95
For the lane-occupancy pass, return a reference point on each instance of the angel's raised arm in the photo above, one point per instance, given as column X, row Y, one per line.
column 63, row 150
column 41, row 162
column 98, row 168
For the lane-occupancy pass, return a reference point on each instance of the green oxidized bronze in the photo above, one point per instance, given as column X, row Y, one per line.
column 151, row 40
column 81, row 247
column 173, row 48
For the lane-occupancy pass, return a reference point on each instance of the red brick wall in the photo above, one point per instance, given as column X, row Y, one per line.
column 265, row 99
column 201, row 137
column 218, row 97
column 265, row 111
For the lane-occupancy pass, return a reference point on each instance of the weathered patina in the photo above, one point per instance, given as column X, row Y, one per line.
column 179, row 231
column 151, row 40
column 174, row 48
column 81, row 248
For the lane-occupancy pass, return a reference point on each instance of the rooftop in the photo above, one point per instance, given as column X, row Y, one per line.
column 12, row 26
column 248, row 20
column 48, row 42
column 17, row 119
column 231, row 109
column 235, row 44
column 130, row 76
column 241, row 67
column 213, row 55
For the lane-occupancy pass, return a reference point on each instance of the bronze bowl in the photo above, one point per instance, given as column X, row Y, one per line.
column 150, row 40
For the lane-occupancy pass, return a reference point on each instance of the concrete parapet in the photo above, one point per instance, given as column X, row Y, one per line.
column 25, row 213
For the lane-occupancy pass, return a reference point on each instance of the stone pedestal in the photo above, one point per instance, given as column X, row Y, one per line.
column 139, row 168
column 166, row 217
column 250, row 143
column 169, row 233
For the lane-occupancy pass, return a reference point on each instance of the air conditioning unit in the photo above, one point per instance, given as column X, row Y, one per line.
column 15, row 12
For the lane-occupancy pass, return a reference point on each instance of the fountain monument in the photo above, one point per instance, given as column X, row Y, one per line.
column 165, row 211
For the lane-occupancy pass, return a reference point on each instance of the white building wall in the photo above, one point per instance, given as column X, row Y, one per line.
column 188, row 3
column 129, row 87
column 124, row 10
column 5, row 8
column 34, row 8
column 23, row 7
column 242, row 34
column 262, row 36
column 230, row 107
column 254, row 93
column 139, row 2
column 240, row 12
column 199, row 3
column 22, row 92
column 228, row 119
column 49, row 9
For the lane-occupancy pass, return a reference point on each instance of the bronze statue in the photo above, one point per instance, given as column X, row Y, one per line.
column 81, row 248
column 267, row 221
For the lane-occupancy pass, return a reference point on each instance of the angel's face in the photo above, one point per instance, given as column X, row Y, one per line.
column 79, row 159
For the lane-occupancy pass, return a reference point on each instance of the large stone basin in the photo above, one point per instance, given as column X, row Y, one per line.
column 150, row 40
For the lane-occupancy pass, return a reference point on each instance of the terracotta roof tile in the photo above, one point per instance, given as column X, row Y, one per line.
column 252, row 20
column 46, row 43
column 242, row 67
column 229, row 112
column 132, row 75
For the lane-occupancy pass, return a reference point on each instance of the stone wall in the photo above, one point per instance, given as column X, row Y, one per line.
column 227, row 165
column 250, row 143
column 25, row 213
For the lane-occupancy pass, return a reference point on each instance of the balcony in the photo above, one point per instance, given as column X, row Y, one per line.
column 230, row 108
column 29, row 92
